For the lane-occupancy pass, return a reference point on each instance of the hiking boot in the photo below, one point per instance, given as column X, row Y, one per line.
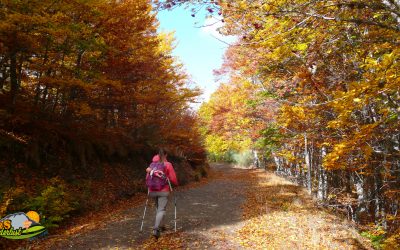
column 163, row 229
column 156, row 233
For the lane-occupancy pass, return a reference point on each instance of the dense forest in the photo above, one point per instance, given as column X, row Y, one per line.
column 89, row 91
column 314, row 93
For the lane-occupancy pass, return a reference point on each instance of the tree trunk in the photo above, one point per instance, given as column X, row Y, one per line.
column 56, row 100
column 361, row 206
column 44, row 98
column 2, row 78
column 277, row 162
column 308, row 164
column 325, row 175
column 13, row 78
column 378, row 199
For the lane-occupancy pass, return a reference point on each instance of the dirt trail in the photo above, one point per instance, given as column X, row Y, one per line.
column 236, row 209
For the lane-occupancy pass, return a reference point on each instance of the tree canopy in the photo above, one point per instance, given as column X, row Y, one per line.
column 328, row 71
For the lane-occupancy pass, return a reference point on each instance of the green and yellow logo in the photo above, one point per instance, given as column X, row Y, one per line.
column 21, row 226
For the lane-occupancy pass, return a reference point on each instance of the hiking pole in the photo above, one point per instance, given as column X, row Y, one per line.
column 175, row 210
column 173, row 193
column 145, row 207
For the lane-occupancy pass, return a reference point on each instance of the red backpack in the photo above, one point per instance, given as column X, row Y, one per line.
column 154, row 182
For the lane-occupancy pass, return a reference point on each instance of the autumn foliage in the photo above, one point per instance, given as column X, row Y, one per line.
column 328, row 70
column 88, row 91
column 313, row 88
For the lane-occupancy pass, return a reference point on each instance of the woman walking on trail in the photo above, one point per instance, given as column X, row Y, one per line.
column 159, row 174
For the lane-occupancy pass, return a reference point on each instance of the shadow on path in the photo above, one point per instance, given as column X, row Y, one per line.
column 236, row 209
column 214, row 204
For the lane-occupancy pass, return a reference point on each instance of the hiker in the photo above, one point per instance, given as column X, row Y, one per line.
column 162, row 169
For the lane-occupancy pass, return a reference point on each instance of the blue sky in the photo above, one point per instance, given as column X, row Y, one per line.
column 196, row 47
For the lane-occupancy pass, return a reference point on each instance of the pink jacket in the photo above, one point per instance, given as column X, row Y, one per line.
column 169, row 172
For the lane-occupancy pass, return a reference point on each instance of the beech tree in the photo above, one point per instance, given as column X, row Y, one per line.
column 329, row 70
column 92, row 62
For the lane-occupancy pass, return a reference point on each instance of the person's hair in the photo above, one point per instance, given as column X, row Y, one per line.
column 162, row 154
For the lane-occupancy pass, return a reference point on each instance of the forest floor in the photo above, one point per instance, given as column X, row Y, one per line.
column 234, row 208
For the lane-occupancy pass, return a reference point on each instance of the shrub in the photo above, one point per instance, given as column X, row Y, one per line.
column 54, row 203
column 244, row 158
column 377, row 235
